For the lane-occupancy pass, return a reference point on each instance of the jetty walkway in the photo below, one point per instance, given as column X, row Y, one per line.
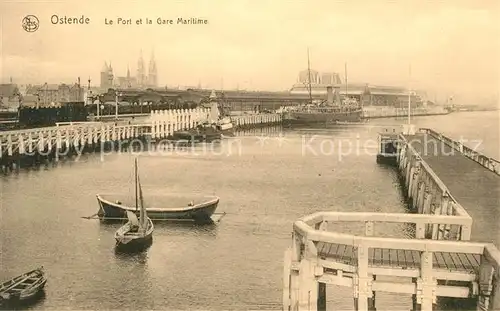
column 443, row 180
column 37, row 145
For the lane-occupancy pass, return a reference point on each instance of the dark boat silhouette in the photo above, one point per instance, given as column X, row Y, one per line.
column 23, row 288
column 137, row 233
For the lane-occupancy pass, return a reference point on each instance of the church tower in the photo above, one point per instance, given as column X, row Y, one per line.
column 129, row 82
column 104, row 76
column 141, row 78
column 153, row 73
column 111, row 77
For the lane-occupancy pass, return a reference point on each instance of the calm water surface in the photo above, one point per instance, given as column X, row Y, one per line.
column 233, row 265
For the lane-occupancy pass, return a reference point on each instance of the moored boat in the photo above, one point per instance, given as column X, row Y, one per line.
column 164, row 207
column 217, row 125
column 23, row 288
column 329, row 111
column 207, row 131
column 137, row 233
column 323, row 115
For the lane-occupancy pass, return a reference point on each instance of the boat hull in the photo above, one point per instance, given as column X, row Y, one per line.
column 135, row 245
column 133, row 242
column 28, row 294
column 201, row 212
column 297, row 117
column 197, row 137
column 390, row 160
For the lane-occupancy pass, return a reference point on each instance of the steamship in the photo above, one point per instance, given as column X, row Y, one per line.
column 325, row 112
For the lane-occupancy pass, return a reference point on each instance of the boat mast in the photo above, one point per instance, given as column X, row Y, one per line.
column 136, row 181
column 309, row 76
column 409, row 95
column 345, row 72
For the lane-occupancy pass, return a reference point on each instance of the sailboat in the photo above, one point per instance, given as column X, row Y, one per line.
column 137, row 233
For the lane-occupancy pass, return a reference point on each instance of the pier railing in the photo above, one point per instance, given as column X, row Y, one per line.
column 44, row 140
column 436, row 268
column 429, row 195
column 488, row 162
column 165, row 122
column 246, row 121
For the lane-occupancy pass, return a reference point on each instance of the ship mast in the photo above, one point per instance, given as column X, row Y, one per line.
column 409, row 95
column 309, row 76
column 345, row 72
column 136, row 184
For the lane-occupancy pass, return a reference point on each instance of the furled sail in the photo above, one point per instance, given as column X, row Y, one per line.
column 132, row 218
column 143, row 214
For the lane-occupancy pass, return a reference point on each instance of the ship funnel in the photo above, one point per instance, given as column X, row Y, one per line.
column 329, row 95
column 337, row 95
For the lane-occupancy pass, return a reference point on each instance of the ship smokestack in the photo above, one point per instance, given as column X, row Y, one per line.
column 337, row 95
column 329, row 95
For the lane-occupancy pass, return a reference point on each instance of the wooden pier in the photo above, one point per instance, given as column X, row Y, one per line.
column 256, row 120
column 40, row 145
column 166, row 122
column 441, row 177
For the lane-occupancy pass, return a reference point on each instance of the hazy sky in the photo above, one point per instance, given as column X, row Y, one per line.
column 453, row 45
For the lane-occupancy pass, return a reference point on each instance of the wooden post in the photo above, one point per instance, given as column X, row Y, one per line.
column 41, row 142
column 414, row 297
column 308, row 289
column 362, row 290
column 9, row 145
column 287, row 267
column 21, row 146
column 485, row 282
column 30, row 144
column 445, row 200
column 321, row 304
column 495, row 294
column 418, row 203
column 426, row 203
column 426, row 285
column 369, row 228
column 58, row 144
column 371, row 301
column 294, row 275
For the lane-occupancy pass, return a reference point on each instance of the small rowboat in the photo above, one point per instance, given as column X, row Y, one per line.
column 23, row 287
column 198, row 208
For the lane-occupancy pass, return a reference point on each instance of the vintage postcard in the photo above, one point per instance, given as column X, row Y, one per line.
column 250, row 155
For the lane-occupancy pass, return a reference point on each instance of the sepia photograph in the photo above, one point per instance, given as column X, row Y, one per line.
column 321, row 155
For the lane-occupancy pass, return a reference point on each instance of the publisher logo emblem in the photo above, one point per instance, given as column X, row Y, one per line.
column 31, row 23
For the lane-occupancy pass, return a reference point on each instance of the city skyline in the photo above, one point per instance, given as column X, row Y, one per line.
column 451, row 45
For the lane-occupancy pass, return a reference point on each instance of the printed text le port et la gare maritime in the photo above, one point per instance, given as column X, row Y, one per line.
column 157, row 21
column 68, row 20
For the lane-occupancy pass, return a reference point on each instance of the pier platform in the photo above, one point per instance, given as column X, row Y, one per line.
column 472, row 178
column 444, row 180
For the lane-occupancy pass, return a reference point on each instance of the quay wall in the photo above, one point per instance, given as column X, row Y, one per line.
column 392, row 112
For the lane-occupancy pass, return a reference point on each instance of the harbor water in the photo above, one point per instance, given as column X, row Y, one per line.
column 265, row 184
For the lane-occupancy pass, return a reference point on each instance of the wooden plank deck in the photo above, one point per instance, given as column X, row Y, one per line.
column 402, row 259
column 475, row 187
